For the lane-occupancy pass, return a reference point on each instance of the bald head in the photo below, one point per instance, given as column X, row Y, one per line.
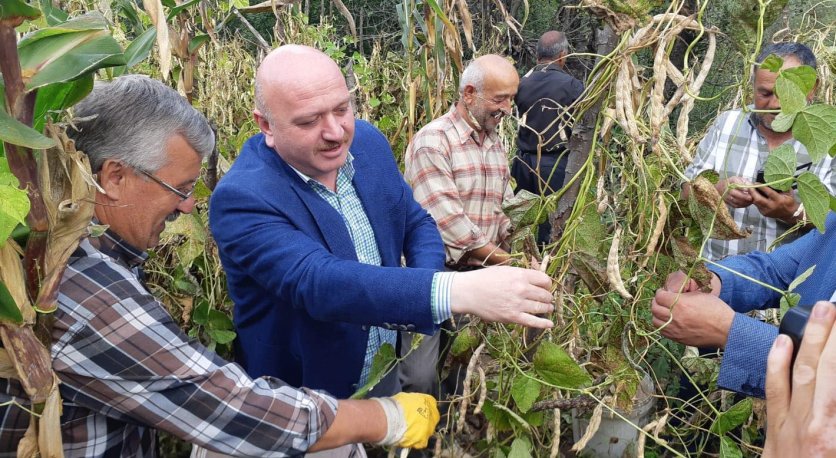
column 551, row 46
column 288, row 68
column 483, row 68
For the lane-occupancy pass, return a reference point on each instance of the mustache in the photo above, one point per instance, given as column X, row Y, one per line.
column 173, row 216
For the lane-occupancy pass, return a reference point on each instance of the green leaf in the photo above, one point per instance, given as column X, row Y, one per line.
column 788, row 301
column 198, row 41
column 791, row 96
column 219, row 321
column 382, row 363
column 9, row 310
column 17, row 9
column 556, row 367
column 52, row 14
column 732, row 418
column 200, row 315
column 465, row 341
column 773, row 63
column 174, row 11
column 832, row 203
column 783, row 121
column 525, row 391
column 801, row 278
column 815, row 128
column 221, row 337
column 67, row 51
column 803, row 76
column 499, row 418
column 520, row 448
column 53, row 99
column 729, row 449
column 816, row 199
column 14, row 205
column 140, row 48
column 780, row 165
column 17, row 133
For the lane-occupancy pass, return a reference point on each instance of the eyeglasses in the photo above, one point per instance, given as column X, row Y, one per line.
column 182, row 195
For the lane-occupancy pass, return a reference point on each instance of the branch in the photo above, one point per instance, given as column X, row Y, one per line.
column 583, row 402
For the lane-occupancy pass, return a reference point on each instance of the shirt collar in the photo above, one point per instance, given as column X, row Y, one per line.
column 111, row 244
column 465, row 130
column 347, row 169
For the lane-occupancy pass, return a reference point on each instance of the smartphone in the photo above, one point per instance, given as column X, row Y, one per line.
column 793, row 324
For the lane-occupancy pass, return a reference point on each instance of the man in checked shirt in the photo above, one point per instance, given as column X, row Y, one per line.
column 126, row 368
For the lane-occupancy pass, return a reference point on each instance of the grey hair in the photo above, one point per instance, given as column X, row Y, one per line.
column 473, row 75
column 261, row 99
column 789, row 48
column 552, row 45
column 131, row 118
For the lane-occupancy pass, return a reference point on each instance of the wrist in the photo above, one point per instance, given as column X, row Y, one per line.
column 395, row 421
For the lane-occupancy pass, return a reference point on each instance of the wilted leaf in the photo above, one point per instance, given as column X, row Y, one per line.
column 383, row 362
column 773, row 63
column 780, row 165
column 732, row 418
column 705, row 202
column 155, row 10
column 556, row 367
column 816, row 199
column 17, row 133
column 815, row 128
column 49, row 427
column 687, row 259
column 703, row 370
column 525, row 391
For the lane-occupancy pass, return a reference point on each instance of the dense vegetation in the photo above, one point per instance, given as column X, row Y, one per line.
column 621, row 227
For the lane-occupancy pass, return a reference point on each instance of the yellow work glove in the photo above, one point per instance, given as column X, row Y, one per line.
column 410, row 419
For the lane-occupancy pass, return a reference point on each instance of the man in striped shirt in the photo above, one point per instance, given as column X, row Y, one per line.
column 126, row 368
column 458, row 167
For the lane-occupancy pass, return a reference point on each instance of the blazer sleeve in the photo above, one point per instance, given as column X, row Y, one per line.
column 743, row 368
column 260, row 239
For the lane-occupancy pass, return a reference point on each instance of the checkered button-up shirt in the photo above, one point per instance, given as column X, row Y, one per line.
column 127, row 369
column 460, row 182
column 733, row 146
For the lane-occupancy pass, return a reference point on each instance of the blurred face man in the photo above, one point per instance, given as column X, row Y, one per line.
column 765, row 98
column 136, row 207
column 488, row 105
column 304, row 110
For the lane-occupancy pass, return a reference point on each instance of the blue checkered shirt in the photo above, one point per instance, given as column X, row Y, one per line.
column 347, row 203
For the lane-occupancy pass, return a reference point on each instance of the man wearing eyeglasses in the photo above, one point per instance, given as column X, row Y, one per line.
column 458, row 167
column 126, row 369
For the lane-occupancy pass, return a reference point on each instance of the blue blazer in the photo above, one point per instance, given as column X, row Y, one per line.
column 744, row 360
column 303, row 302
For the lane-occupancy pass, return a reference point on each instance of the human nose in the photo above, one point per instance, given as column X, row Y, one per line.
column 333, row 128
column 187, row 205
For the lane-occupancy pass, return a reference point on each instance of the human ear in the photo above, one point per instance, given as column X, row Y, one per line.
column 112, row 178
column 264, row 125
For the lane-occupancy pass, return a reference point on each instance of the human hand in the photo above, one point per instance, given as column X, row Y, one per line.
column 737, row 198
column 696, row 319
column 801, row 405
column 411, row 419
column 775, row 204
column 504, row 294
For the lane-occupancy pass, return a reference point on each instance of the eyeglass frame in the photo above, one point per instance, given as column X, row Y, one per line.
column 182, row 195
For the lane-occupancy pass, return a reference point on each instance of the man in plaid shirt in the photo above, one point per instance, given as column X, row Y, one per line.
column 458, row 167
column 737, row 145
column 126, row 368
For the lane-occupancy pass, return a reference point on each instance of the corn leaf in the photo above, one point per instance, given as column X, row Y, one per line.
column 54, row 98
column 17, row 133
column 10, row 10
column 9, row 311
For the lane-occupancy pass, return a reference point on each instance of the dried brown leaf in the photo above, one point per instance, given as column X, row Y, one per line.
column 154, row 8
column 707, row 208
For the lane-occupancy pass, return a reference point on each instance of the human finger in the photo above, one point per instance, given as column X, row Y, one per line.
column 778, row 389
column 806, row 363
column 531, row 321
column 539, row 279
column 539, row 295
column 825, row 394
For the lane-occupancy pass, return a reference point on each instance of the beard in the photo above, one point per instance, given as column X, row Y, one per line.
column 760, row 121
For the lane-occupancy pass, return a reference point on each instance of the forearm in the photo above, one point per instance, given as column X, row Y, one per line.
column 359, row 421
column 489, row 254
